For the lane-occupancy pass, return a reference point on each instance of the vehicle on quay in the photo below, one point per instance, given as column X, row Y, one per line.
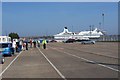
column 88, row 42
column 70, row 41
column 7, row 50
column 6, row 46
column 53, row 40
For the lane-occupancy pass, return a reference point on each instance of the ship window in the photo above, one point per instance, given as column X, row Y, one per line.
column 3, row 39
column 9, row 39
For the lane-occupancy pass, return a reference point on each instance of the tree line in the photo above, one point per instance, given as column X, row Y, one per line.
column 14, row 36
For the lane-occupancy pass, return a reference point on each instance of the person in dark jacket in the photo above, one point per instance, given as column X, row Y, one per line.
column 30, row 43
column 26, row 45
column 34, row 42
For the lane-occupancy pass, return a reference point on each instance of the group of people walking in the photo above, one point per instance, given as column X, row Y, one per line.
column 17, row 45
column 35, row 43
column 23, row 44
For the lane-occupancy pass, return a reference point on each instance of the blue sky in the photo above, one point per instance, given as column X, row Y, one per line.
column 49, row 18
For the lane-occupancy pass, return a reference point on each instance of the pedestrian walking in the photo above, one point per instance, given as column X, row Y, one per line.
column 23, row 46
column 14, row 45
column 17, row 47
column 26, row 45
column 34, row 42
column 44, row 42
column 20, row 44
column 38, row 42
column 30, row 43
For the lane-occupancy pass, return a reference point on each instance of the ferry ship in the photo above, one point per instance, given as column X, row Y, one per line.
column 83, row 35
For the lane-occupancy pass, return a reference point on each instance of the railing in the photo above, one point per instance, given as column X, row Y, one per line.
column 109, row 38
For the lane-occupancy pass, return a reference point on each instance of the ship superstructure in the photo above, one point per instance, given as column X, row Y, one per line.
column 66, row 34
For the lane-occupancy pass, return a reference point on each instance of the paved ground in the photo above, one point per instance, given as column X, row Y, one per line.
column 62, row 60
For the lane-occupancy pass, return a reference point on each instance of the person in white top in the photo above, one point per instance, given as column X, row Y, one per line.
column 21, row 43
column 14, row 45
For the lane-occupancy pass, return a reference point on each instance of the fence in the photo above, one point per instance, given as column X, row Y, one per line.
column 109, row 38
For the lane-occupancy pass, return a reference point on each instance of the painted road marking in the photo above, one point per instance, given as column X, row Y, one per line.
column 87, row 60
column 61, row 75
column 10, row 63
column 99, row 54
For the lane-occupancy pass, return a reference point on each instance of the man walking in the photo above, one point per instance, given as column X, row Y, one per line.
column 20, row 44
column 30, row 43
column 44, row 44
column 34, row 42
column 26, row 45
column 38, row 42
column 14, row 45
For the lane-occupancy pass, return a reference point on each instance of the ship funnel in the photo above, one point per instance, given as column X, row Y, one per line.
column 65, row 30
column 65, row 27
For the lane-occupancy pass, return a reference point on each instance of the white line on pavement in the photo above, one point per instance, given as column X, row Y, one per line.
column 61, row 75
column 109, row 67
column 10, row 63
column 87, row 60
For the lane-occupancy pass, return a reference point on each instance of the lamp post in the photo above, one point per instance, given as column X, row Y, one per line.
column 99, row 25
column 90, row 30
column 103, row 19
column 103, row 24
column 72, row 32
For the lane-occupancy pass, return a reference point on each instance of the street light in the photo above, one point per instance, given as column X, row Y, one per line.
column 103, row 24
column 99, row 25
column 90, row 30
column 103, row 19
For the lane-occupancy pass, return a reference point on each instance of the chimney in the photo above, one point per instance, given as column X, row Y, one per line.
column 65, row 30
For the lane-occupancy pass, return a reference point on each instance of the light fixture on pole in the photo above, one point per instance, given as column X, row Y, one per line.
column 103, row 19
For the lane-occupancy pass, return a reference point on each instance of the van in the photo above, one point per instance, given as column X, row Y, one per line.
column 6, row 46
column 6, row 49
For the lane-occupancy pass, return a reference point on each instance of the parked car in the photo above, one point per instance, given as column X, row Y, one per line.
column 7, row 52
column 2, row 59
column 88, row 42
column 70, row 41
column 7, row 49
column 53, row 41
